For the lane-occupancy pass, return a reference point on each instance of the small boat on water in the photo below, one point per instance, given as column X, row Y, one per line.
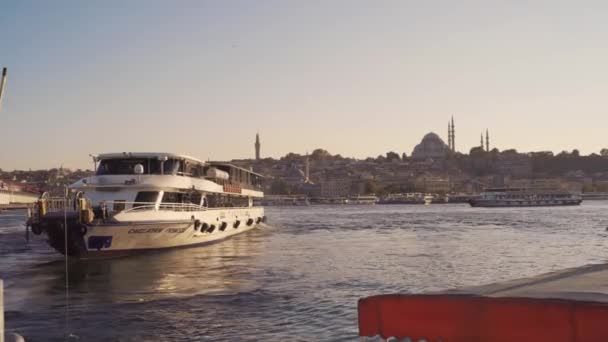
column 146, row 201
column 408, row 198
column 524, row 197
column 363, row 199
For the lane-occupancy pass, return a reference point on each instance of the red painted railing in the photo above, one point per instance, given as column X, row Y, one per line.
column 234, row 188
column 459, row 318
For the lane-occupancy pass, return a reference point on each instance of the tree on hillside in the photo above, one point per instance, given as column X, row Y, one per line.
column 291, row 156
column 511, row 151
column 403, row 156
column 477, row 151
column 390, row 156
column 604, row 152
column 320, row 154
column 481, row 161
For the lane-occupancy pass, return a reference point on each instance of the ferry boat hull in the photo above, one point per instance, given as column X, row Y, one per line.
column 531, row 203
column 115, row 239
column 524, row 197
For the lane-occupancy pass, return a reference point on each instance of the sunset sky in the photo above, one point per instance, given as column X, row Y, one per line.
column 358, row 78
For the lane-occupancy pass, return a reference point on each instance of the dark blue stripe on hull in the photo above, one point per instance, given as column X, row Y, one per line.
column 101, row 254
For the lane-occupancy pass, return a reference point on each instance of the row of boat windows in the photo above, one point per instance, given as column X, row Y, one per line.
column 528, row 196
column 126, row 166
column 193, row 197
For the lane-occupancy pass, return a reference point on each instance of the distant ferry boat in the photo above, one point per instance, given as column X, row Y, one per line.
column 146, row 201
column 407, row 198
column 523, row 197
column 15, row 195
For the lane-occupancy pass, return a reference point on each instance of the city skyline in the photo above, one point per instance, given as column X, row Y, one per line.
column 359, row 81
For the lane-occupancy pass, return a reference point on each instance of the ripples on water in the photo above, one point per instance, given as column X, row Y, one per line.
column 298, row 279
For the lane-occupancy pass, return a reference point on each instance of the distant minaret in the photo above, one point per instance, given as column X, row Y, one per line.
column 450, row 137
column 487, row 141
column 307, row 169
column 2, row 85
column 482, row 147
column 453, row 136
column 257, row 146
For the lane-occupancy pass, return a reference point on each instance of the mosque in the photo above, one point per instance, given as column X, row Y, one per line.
column 433, row 147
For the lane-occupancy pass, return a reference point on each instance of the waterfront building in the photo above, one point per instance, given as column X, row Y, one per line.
column 340, row 187
column 432, row 184
column 514, row 164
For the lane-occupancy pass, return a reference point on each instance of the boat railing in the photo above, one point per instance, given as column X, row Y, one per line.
column 59, row 204
column 137, row 206
column 181, row 207
column 56, row 205
column 151, row 206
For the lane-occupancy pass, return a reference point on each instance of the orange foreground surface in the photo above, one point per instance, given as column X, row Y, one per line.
column 456, row 318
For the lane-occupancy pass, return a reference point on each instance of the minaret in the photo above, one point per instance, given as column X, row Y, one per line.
column 482, row 141
column 257, row 146
column 487, row 141
column 453, row 136
column 2, row 85
column 307, row 169
column 450, row 137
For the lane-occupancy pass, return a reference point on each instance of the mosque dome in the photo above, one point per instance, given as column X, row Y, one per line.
column 431, row 146
column 294, row 175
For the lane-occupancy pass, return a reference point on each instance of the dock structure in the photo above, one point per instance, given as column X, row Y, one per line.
column 567, row 305
column 586, row 283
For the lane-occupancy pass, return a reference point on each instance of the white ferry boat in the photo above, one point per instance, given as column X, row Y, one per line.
column 405, row 198
column 523, row 197
column 147, row 201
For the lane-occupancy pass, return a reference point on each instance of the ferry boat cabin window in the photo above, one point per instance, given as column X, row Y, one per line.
column 172, row 166
column 182, row 197
column 191, row 169
column 119, row 205
column 145, row 198
column 224, row 201
column 125, row 166
column 172, row 197
column 119, row 166
column 193, row 197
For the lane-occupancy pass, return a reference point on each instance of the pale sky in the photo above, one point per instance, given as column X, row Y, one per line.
column 358, row 78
